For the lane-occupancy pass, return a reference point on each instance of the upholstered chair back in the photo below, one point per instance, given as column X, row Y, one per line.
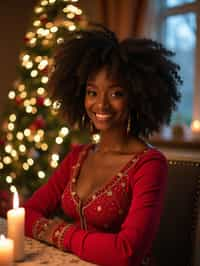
column 178, row 239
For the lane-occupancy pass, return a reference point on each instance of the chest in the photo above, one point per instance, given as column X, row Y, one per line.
column 97, row 172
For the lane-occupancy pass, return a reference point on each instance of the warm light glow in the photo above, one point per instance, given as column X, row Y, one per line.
column 72, row 27
column 19, row 135
column 37, row 23
column 195, row 126
column 11, row 126
column 34, row 73
column 40, row 91
column 44, row 79
column 59, row 140
column 53, row 164
column 9, row 179
column 21, row 87
column 11, row 95
column 1, row 165
column 27, row 132
column 52, row 1
column 55, row 157
column 64, row 131
column 96, row 138
column 22, row 148
column 44, row 3
column 8, row 148
column 41, row 174
column 43, row 64
column 47, row 102
column 44, row 146
column 38, row 59
column 60, row 40
column 25, row 166
column 38, row 9
column 23, row 94
column 15, row 200
column 7, row 160
column 54, row 29
column 12, row 117
column 13, row 188
column 9, row 136
column 30, row 161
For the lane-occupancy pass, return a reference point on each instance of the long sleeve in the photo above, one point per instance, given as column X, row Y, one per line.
column 131, row 244
column 45, row 200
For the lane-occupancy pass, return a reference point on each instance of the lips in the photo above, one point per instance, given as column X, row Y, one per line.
column 102, row 117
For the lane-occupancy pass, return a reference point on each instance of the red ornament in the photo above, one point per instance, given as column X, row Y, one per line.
column 2, row 142
column 40, row 101
column 39, row 122
column 18, row 100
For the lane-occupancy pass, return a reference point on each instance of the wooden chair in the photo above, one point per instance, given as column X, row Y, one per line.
column 178, row 239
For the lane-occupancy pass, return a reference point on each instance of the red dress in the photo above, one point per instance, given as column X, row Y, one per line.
column 117, row 223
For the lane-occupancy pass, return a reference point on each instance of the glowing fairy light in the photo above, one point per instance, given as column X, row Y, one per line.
column 52, row 1
column 36, row 23
column 21, row 87
column 29, row 109
column 43, row 64
column 9, row 179
column 9, row 136
column 38, row 10
column 25, row 166
column 53, row 29
column 11, row 95
column 53, row 164
column 34, row 73
column 14, row 154
column 41, row 174
column 40, row 91
column 19, row 135
column 12, row 117
column 47, row 102
column 13, row 189
column 60, row 40
column 55, row 157
column 44, row 147
column 72, row 27
column 1, row 165
column 26, row 57
column 59, row 140
column 7, row 160
column 23, row 94
column 22, row 148
column 44, row 79
column 44, row 3
column 8, row 148
column 11, row 126
column 27, row 132
column 64, row 131
column 30, row 161
column 38, row 59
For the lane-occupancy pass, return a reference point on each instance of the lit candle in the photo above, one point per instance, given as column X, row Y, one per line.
column 195, row 127
column 6, row 251
column 15, row 221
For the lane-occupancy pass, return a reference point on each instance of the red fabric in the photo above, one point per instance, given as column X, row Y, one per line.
column 120, row 219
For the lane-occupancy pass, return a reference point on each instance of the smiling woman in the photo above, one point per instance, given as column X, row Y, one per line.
column 112, row 191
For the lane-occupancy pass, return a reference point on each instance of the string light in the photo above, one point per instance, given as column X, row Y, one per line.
column 64, row 131
column 19, row 135
column 9, row 136
column 7, row 160
column 44, row 146
column 41, row 174
column 27, row 132
column 59, row 140
column 11, row 126
column 8, row 148
column 12, row 117
column 1, row 165
column 40, row 91
column 44, row 79
column 47, row 102
column 13, row 189
column 25, row 166
column 34, row 73
column 11, row 95
column 22, row 148
column 9, row 179
column 37, row 23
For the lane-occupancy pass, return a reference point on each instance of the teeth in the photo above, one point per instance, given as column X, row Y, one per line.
column 103, row 116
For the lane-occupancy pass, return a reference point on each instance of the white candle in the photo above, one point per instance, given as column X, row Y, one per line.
column 6, row 251
column 15, row 221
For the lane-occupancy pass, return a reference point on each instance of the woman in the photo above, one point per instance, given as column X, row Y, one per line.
column 113, row 191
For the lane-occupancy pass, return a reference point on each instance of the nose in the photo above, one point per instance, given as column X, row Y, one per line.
column 103, row 101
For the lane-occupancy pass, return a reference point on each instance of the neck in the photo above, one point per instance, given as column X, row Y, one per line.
column 113, row 141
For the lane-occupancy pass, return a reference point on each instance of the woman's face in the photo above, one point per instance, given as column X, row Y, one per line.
column 106, row 103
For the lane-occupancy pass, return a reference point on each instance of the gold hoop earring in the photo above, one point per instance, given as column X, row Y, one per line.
column 83, row 121
column 91, row 127
column 128, row 129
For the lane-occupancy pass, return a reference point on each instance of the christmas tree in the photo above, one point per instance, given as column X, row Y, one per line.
column 34, row 138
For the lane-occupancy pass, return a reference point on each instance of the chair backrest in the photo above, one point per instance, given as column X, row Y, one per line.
column 177, row 241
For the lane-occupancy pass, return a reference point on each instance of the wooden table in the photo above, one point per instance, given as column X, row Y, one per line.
column 37, row 253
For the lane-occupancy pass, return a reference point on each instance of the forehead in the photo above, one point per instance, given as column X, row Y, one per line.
column 102, row 75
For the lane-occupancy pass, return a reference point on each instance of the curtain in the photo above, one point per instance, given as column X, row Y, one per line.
column 127, row 17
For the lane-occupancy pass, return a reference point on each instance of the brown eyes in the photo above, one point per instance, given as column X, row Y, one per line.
column 113, row 94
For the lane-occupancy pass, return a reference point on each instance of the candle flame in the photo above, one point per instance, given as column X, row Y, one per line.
column 15, row 200
column 196, row 124
column 2, row 237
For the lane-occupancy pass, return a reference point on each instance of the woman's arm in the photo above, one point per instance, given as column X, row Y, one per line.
column 139, row 228
column 45, row 200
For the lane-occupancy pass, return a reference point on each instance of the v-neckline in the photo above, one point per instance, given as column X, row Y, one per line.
column 92, row 196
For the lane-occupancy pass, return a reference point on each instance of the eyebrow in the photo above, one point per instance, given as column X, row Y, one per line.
column 89, row 83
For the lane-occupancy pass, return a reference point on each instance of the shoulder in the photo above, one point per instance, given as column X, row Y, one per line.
column 150, row 165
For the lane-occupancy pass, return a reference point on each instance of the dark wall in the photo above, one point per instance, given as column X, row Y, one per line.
column 15, row 17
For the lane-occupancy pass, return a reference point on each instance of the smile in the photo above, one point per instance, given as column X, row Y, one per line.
column 103, row 116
